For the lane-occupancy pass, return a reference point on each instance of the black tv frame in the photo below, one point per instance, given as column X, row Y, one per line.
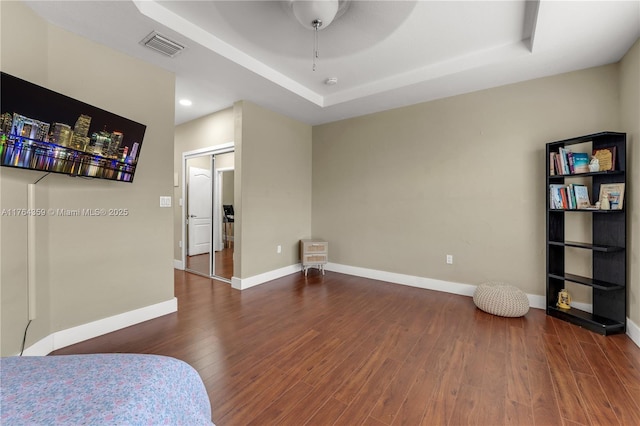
column 53, row 137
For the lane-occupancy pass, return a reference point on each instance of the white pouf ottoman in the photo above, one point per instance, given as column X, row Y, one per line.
column 501, row 299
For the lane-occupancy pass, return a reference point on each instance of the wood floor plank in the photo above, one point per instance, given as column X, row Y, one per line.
column 304, row 347
column 327, row 414
column 393, row 395
column 350, row 388
column 449, row 374
column 494, row 386
column 571, row 346
column 247, row 391
column 358, row 410
column 535, row 348
column 480, row 335
column 413, row 407
column 546, row 410
column 316, row 359
column 518, row 414
column 313, row 350
column 402, row 341
column 516, row 337
column 622, row 363
column 626, row 346
column 493, row 409
column 372, row 422
column 347, row 356
column 494, row 376
column 245, row 410
column 326, row 386
column 281, row 406
column 466, row 410
column 517, row 376
column 499, row 331
column 474, row 363
column 624, row 401
column 569, row 396
column 596, row 402
column 439, row 409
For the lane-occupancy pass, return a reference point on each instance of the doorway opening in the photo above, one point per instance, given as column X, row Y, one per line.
column 207, row 234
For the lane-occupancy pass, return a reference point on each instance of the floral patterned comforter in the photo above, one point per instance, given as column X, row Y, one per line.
column 113, row 389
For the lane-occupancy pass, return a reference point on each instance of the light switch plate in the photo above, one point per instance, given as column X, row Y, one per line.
column 165, row 201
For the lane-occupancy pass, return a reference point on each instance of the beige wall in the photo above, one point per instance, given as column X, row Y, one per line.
column 88, row 268
column 273, row 189
column 227, row 187
column 630, row 121
column 13, row 230
column 272, row 182
column 398, row 190
column 206, row 132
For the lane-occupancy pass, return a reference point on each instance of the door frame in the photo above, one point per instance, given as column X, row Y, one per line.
column 213, row 150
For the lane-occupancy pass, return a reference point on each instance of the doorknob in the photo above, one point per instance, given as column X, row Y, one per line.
column 192, row 215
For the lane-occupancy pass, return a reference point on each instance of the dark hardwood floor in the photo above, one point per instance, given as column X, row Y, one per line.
column 224, row 262
column 344, row 350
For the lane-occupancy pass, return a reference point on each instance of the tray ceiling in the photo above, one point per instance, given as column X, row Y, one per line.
column 384, row 54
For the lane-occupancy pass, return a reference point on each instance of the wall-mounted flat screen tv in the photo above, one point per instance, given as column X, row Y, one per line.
column 44, row 130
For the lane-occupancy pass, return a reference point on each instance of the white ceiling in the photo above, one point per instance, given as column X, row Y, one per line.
column 385, row 54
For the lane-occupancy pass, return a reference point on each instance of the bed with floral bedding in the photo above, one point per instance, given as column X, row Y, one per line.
column 101, row 389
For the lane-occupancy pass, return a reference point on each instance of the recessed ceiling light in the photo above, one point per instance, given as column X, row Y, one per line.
column 331, row 81
column 185, row 102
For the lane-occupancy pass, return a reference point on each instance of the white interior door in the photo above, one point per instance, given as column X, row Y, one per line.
column 199, row 211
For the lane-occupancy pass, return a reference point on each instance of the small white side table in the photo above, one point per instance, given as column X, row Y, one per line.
column 314, row 253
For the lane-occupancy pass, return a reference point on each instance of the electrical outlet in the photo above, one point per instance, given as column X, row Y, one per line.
column 279, row 249
column 450, row 259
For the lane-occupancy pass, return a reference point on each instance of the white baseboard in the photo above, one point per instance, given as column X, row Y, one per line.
column 178, row 264
column 245, row 283
column 410, row 280
column 633, row 331
column 535, row 301
column 73, row 335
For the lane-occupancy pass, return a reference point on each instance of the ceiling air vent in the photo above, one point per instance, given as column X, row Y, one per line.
column 162, row 44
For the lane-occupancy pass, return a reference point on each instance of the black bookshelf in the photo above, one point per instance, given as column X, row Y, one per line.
column 607, row 246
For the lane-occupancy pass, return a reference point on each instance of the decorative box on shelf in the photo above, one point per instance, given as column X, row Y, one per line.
column 314, row 253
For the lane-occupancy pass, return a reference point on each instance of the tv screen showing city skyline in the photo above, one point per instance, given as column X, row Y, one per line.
column 44, row 130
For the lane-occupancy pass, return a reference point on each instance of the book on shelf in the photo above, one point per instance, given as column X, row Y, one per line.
column 570, row 162
column 580, row 162
column 566, row 162
column 569, row 197
column 614, row 192
column 555, row 199
column 556, row 163
column 563, row 195
column 581, row 193
column 606, row 158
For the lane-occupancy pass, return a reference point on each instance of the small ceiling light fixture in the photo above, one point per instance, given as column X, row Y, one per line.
column 331, row 81
column 185, row 102
column 315, row 15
